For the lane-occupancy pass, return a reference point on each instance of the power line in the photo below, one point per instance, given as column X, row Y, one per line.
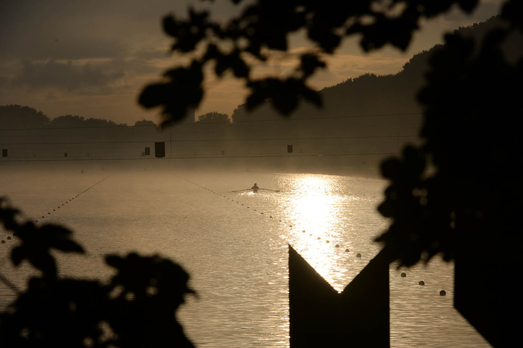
column 212, row 140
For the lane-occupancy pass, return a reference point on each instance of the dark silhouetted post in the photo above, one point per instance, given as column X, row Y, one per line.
column 322, row 317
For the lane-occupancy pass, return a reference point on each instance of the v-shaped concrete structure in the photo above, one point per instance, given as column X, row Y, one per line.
column 322, row 317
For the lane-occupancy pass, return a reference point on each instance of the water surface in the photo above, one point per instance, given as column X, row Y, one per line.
column 235, row 245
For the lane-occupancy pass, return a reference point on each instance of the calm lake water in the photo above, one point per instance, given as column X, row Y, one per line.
column 235, row 245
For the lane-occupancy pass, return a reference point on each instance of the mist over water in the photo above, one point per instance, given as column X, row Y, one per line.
column 233, row 244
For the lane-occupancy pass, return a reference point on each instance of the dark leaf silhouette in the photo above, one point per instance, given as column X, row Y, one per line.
column 183, row 91
column 70, row 312
column 148, row 292
column 467, row 196
column 266, row 25
column 37, row 242
column 283, row 94
column 309, row 64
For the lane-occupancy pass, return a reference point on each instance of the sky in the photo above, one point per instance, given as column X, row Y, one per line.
column 93, row 57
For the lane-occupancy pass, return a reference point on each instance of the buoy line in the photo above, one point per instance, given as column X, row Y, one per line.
column 442, row 293
column 76, row 196
column 9, row 238
column 337, row 246
column 10, row 181
column 3, row 241
column 357, row 256
column 73, row 197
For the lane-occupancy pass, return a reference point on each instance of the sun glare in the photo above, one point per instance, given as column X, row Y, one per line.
column 317, row 211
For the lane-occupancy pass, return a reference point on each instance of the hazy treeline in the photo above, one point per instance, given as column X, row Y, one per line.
column 16, row 116
column 368, row 114
column 213, row 117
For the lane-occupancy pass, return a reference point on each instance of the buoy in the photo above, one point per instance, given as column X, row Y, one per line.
column 337, row 245
column 403, row 275
column 3, row 241
column 8, row 237
column 347, row 250
column 442, row 293
column 421, row 282
column 319, row 237
column 358, row 255
column 328, row 242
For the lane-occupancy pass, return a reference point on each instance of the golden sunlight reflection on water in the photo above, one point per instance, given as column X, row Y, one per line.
column 317, row 214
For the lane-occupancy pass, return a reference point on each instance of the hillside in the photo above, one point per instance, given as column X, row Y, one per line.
column 376, row 95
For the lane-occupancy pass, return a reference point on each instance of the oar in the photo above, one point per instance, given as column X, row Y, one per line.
column 241, row 190
column 270, row 190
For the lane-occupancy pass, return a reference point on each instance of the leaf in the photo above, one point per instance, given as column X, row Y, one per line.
column 154, row 95
column 468, row 5
column 44, row 262
column 309, row 63
column 67, row 245
column 18, row 255
column 170, row 25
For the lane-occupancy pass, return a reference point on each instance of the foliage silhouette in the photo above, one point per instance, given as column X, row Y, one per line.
column 465, row 88
column 135, row 309
column 473, row 194
column 248, row 39
column 459, row 194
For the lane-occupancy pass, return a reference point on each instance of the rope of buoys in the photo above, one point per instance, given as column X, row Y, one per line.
column 78, row 195
column 254, row 210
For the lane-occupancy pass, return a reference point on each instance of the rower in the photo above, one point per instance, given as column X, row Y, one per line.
column 255, row 188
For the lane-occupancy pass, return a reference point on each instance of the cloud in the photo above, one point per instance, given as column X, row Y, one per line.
column 64, row 76
column 148, row 54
